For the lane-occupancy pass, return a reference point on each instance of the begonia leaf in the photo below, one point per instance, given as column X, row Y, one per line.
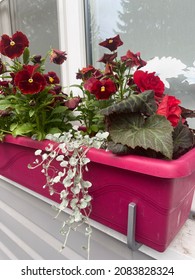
column 134, row 131
column 143, row 102
column 183, row 138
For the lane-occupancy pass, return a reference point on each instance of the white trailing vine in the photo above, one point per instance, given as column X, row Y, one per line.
column 63, row 163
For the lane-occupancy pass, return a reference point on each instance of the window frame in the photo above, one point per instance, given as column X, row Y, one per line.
column 71, row 22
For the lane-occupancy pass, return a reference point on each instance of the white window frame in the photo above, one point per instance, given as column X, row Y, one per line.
column 72, row 38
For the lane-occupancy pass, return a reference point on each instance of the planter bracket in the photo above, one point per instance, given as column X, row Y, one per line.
column 131, row 243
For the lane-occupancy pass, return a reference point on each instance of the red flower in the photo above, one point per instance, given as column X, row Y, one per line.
column 58, row 57
column 52, row 78
column 13, row 46
column 29, row 81
column 112, row 43
column 169, row 107
column 149, row 81
column 73, row 102
column 85, row 72
column 102, row 89
column 108, row 58
column 133, row 59
column 2, row 67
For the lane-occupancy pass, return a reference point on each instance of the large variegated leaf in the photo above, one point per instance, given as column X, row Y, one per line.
column 134, row 131
column 143, row 102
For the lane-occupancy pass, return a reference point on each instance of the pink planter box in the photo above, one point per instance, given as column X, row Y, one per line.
column 162, row 190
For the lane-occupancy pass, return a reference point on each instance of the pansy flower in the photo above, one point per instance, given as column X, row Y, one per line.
column 102, row 89
column 85, row 73
column 108, row 58
column 36, row 59
column 133, row 59
column 29, row 81
column 52, row 78
column 2, row 67
column 14, row 46
column 112, row 43
column 57, row 56
column 73, row 102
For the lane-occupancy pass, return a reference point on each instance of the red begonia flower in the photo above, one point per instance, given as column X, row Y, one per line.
column 57, row 56
column 149, row 81
column 29, row 81
column 52, row 78
column 14, row 46
column 169, row 107
column 112, row 43
column 102, row 89
column 133, row 59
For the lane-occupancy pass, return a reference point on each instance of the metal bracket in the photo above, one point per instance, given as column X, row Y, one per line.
column 131, row 243
column 192, row 215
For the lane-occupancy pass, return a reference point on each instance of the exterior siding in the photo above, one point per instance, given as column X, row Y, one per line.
column 28, row 230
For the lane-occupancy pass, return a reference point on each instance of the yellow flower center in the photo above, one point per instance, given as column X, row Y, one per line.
column 103, row 88
column 110, row 41
column 51, row 80
column 12, row 43
column 30, row 80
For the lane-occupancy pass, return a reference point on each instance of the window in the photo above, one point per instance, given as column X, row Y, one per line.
column 49, row 23
column 162, row 28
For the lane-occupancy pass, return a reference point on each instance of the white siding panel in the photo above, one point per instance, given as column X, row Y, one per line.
column 28, row 230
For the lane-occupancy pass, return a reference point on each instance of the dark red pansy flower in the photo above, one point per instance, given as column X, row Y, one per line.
column 133, row 59
column 57, row 56
column 149, row 81
column 36, row 59
column 112, row 43
column 85, row 72
column 52, row 78
column 72, row 103
column 4, row 84
column 102, row 89
column 2, row 67
column 57, row 89
column 108, row 58
column 169, row 107
column 14, row 46
column 29, row 81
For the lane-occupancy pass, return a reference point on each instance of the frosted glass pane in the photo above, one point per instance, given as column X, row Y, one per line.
column 38, row 20
column 156, row 28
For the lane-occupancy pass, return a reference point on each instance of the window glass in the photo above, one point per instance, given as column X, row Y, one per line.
column 161, row 30
column 38, row 20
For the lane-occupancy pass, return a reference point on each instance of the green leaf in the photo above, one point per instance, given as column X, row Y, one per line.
column 57, row 120
column 143, row 102
column 13, row 126
column 23, row 129
column 31, row 113
column 134, row 131
column 59, row 110
column 26, row 56
column 54, row 130
column 5, row 104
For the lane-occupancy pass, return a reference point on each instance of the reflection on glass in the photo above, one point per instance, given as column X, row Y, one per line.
column 38, row 20
column 161, row 30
